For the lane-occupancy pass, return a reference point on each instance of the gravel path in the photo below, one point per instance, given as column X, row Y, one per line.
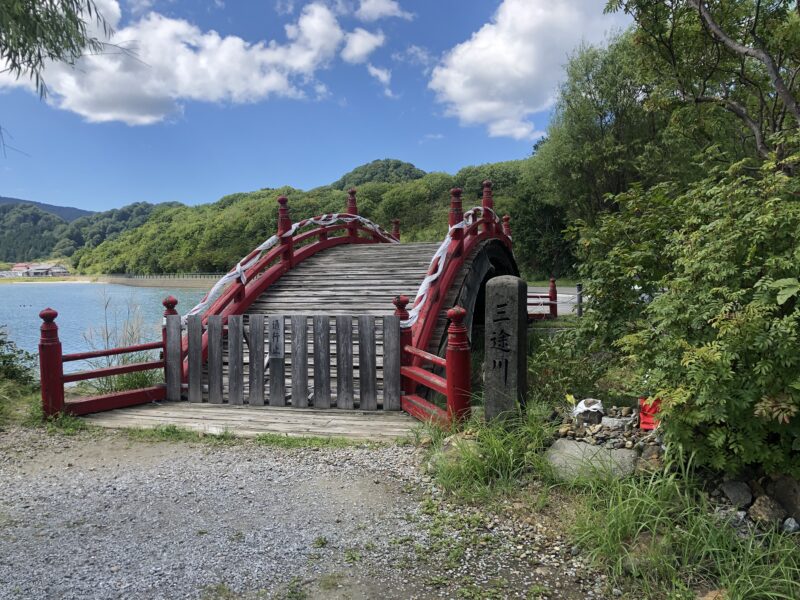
column 100, row 516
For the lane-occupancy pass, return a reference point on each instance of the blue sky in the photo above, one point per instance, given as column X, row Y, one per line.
column 224, row 96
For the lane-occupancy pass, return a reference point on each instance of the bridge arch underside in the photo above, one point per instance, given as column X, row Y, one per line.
column 490, row 259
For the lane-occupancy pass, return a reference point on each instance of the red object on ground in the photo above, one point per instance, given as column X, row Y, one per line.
column 648, row 412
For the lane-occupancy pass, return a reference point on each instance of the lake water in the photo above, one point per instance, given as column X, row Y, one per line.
column 82, row 307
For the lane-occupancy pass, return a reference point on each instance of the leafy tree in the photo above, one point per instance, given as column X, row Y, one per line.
column 33, row 32
column 740, row 56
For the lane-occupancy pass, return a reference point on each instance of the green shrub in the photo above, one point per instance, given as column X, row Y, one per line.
column 564, row 364
column 15, row 364
column 718, row 342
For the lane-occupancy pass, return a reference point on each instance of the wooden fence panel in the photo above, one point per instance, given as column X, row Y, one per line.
column 367, row 363
column 277, row 375
column 256, row 375
column 172, row 358
column 357, row 361
column 215, row 359
column 235, row 360
column 344, row 362
column 299, row 361
column 322, row 361
column 194, row 333
column 391, row 363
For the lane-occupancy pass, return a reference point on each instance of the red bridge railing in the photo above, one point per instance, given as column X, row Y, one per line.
column 53, row 378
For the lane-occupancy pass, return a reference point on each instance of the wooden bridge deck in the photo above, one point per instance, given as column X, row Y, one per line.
column 250, row 421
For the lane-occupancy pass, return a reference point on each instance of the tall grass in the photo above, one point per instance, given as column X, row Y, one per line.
column 492, row 458
column 120, row 328
column 661, row 534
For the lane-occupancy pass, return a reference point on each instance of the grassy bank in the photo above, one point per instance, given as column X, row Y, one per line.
column 656, row 535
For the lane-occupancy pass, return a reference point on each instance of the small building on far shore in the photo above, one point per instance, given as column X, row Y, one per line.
column 37, row 270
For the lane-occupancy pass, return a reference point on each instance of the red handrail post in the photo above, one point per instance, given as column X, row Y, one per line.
column 396, row 229
column 459, row 376
column 400, row 303
column 352, row 209
column 51, row 367
column 169, row 303
column 284, row 226
column 507, row 225
column 552, row 294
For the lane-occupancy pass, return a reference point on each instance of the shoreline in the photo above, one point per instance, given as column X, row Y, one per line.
column 155, row 281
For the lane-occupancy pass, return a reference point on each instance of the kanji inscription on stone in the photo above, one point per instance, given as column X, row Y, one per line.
column 506, row 343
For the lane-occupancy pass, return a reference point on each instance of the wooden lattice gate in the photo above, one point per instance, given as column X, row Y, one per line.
column 346, row 362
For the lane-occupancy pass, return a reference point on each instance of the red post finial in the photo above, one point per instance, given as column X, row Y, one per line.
column 507, row 225
column 170, row 302
column 396, row 229
column 459, row 375
column 284, row 220
column 488, row 198
column 48, row 315
column 352, row 207
column 400, row 303
column 456, row 210
column 51, row 365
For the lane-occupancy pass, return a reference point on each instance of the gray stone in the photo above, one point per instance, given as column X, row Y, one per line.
column 766, row 510
column 738, row 492
column 575, row 459
column 613, row 423
column 506, row 345
column 786, row 490
column 790, row 526
column 652, row 460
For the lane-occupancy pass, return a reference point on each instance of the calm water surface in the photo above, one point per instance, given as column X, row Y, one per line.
column 81, row 308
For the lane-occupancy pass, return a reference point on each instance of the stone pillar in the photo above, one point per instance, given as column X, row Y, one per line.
column 505, row 365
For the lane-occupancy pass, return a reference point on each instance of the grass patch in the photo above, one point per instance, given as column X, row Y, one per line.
column 330, row 582
column 286, row 441
column 491, row 459
column 661, row 535
column 173, row 433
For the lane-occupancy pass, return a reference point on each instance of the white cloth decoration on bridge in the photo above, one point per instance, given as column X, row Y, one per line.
column 425, row 286
column 240, row 270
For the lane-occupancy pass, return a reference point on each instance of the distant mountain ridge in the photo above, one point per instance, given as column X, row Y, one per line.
column 68, row 213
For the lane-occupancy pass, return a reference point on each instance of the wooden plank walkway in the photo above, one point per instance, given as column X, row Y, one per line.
column 250, row 421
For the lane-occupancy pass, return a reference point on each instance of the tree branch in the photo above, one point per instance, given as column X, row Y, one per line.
column 757, row 53
column 741, row 112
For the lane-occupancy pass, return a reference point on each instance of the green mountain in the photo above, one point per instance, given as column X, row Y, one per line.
column 67, row 213
column 27, row 232
column 388, row 170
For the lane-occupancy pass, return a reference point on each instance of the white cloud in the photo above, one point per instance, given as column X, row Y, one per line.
column 360, row 43
column 384, row 77
column 414, row 55
column 282, row 7
column 511, row 68
column 372, row 10
column 175, row 61
column 140, row 6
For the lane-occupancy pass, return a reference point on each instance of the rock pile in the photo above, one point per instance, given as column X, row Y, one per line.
column 767, row 503
column 619, row 445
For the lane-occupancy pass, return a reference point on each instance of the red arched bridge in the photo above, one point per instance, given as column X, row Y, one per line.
column 319, row 316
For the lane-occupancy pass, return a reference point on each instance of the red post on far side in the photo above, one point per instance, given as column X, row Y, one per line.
column 51, row 368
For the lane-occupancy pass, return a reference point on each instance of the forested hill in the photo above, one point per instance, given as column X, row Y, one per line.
column 29, row 233
column 67, row 213
column 213, row 237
